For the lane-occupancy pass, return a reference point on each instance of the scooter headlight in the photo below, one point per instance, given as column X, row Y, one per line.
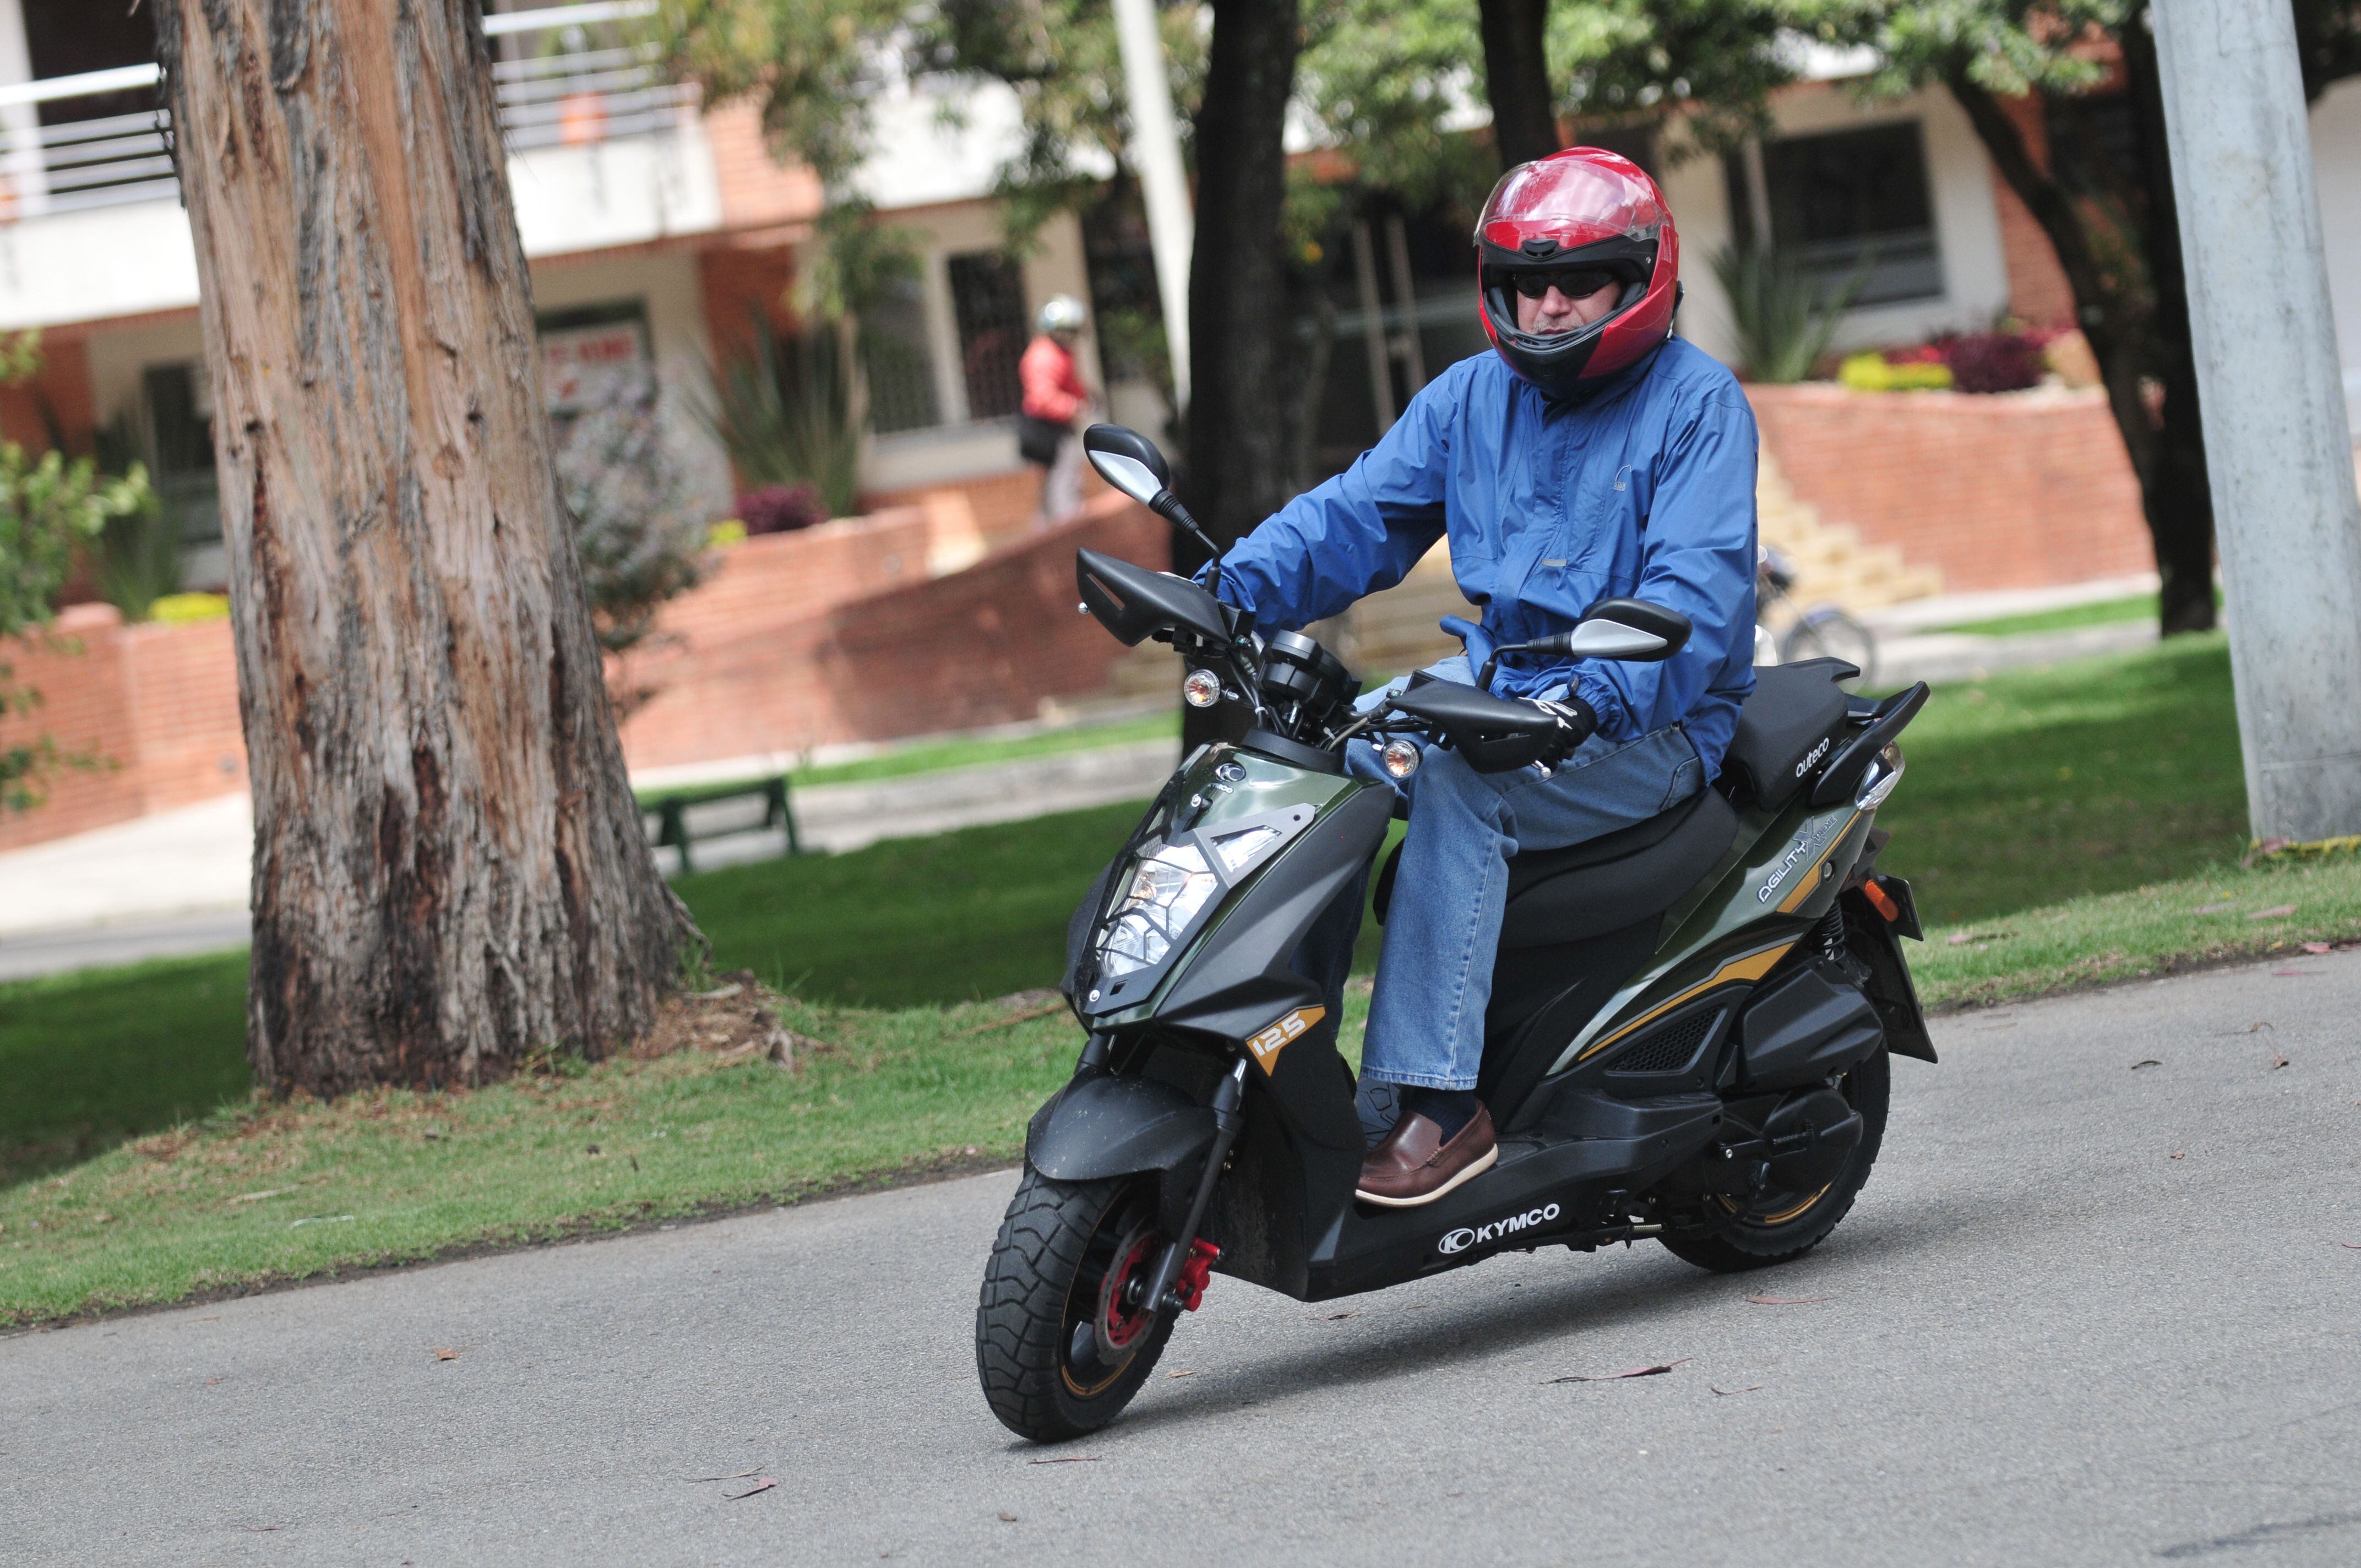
column 1170, row 883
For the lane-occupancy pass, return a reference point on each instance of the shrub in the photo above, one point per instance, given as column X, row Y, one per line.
column 1993, row 362
column 1783, row 323
column 638, row 526
column 179, row 610
column 781, row 508
column 785, row 414
column 1879, row 373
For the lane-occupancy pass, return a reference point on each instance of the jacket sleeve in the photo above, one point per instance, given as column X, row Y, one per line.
column 1355, row 534
column 1698, row 558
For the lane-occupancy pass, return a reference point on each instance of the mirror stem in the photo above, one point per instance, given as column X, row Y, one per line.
column 1167, row 507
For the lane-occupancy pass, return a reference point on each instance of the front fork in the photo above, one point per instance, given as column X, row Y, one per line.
column 1180, row 1276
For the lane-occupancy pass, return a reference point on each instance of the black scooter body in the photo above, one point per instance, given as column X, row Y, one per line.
column 1606, row 1067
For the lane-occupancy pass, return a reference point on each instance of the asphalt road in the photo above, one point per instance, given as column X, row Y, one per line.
column 2085, row 1312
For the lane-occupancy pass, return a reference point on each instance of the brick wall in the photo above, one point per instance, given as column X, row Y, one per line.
column 833, row 633
column 737, row 283
column 757, row 191
column 981, row 646
column 158, row 704
column 1001, row 504
column 2020, row 490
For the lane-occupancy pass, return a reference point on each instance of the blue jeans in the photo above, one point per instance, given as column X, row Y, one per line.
column 1442, row 926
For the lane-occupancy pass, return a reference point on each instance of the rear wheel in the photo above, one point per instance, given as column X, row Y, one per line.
column 1063, row 1338
column 1775, row 1227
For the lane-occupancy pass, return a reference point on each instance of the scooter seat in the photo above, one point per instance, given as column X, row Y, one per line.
column 1791, row 724
column 1604, row 883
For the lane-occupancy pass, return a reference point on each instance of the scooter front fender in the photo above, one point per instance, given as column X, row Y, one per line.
column 1104, row 1126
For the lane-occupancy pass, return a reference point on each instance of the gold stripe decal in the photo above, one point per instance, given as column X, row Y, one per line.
column 1749, row 966
column 1280, row 1035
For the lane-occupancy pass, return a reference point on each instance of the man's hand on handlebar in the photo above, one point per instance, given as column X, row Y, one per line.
column 1576, row 722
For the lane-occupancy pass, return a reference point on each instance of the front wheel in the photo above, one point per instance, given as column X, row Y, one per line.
column 1061, row 1340
column 1776, row 1227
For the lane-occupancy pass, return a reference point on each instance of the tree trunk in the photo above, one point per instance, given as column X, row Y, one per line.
column 1239, row 324
column 2136, row 335
column 449, row 870
column 1238, row 316
column 1516, row 80
column 2179, row 492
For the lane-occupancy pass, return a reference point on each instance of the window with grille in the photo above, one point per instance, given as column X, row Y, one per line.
column 178, row 401
column 1850, row 204
column 988, row 305
column 900, row 373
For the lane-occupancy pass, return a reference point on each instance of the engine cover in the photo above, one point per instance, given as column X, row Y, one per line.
column 1804, row 1029
column 1809, row 1136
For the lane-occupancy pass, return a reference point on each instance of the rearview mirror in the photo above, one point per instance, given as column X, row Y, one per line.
column 1128, row 461
column 1620, row 628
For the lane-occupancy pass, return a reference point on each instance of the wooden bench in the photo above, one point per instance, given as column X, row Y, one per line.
column 671, row 807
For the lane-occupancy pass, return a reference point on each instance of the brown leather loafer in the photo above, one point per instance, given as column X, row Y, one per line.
column 1414, row 1165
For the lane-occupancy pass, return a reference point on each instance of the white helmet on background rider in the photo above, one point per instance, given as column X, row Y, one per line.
column 1061, row 313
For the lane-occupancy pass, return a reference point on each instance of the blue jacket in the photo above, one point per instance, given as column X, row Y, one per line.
column 1645, row 489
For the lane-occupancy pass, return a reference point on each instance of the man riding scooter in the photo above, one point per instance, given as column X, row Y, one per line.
column 1591, row 455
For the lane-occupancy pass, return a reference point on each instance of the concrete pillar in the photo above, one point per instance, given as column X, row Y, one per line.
column 2276, row 441
column 1164, row 186
column 24, row 177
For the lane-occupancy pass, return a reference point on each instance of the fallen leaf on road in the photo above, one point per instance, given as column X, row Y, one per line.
column 2278, row 1061
column 735, row 1475
column 2289, row 973
column 2319, row 946
column 2275, row 911
column 2350, row 1246
column 1007, row 1518
column 2149, row 1062
column 1185, row 1373
column 1656, row 1370
column 2181, row 1153
column 1067, row 1459
column 1784, row 1301
column 444, row 1353
column 258, row 1197
column 1725, row 1393
column 761, row 1484
column 2258, row 1026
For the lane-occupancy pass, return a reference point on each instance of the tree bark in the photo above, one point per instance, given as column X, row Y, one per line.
column 2138, row 333
column 1238, row 316
column 1516, row 80
column 1240, row 323
column 449, row 870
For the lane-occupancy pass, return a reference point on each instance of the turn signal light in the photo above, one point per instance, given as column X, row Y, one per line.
column 1400, row 758
column 1201, row 688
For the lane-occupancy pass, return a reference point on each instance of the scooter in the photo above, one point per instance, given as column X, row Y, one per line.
column 1688, row 1038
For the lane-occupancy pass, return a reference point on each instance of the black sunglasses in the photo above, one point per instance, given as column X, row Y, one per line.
column 1574, row 284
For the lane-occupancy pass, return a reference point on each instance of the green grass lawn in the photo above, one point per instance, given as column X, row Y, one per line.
column 2066, row 618
column 2065, row 826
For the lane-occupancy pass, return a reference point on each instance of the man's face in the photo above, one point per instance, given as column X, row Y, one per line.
column 1568, row 302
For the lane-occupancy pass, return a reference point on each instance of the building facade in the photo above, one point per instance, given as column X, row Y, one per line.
column 656, row 227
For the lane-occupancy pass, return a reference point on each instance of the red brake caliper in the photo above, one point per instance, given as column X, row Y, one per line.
column 1190, row 1286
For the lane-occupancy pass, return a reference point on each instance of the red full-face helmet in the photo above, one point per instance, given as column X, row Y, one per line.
column 1585, row 210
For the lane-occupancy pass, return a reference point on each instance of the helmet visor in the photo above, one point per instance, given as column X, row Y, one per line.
column 1574, row 201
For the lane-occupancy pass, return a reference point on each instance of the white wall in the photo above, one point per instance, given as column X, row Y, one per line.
column 1966, row 220
column 2336, row 165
